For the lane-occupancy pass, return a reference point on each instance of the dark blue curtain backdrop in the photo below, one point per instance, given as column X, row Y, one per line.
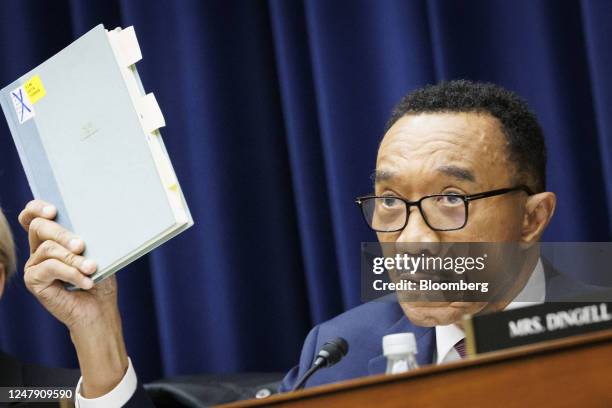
column 274, row 111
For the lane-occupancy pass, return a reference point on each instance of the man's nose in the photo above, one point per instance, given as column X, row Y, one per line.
column 417, row 238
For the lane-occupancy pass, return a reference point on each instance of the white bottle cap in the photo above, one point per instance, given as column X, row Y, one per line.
column 400, row 343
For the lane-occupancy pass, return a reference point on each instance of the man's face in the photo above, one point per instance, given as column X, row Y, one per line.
column 461, row 153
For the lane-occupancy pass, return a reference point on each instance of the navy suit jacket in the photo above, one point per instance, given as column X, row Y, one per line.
column 364, row 327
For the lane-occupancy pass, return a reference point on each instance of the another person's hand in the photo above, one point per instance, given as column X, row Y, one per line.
column 90, row 314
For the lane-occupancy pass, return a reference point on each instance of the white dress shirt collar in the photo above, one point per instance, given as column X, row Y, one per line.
column 533, row 293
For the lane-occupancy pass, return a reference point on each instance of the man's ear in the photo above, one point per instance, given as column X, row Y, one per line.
column 539, row 209
column 2, row 278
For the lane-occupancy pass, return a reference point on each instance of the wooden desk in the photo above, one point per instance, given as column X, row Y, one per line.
column 572, row 372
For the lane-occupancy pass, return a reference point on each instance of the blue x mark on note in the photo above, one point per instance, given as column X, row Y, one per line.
column 24, row 107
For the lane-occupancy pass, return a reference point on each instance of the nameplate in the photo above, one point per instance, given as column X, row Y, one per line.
column 534, row 324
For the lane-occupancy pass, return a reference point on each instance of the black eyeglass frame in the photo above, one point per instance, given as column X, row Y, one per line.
column 466, row 200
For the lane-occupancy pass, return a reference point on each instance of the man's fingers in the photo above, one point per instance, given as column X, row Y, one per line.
column 40, row 276
column 42, row 230
column 35, row 209
column 53, row 250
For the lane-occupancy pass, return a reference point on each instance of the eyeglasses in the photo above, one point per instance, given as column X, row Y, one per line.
column 441, row 212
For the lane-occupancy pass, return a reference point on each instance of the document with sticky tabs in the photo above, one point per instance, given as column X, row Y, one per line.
column 88, row 137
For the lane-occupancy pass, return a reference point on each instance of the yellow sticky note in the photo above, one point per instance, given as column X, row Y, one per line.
column 35, row 89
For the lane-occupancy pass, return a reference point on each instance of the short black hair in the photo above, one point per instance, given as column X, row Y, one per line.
column 526, row 146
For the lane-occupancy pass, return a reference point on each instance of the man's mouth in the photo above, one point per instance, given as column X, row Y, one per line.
column 433, row 276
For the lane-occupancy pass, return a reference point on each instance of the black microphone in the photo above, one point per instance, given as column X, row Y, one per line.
column 332, row 352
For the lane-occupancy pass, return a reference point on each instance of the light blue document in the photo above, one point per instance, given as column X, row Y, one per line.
column 87, row 136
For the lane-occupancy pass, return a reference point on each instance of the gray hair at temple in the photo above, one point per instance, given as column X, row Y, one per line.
column 7, row 248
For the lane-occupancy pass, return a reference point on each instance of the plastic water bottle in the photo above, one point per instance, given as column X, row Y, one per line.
column 400, row 350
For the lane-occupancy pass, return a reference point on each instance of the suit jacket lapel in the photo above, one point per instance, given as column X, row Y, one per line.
column 425, row 337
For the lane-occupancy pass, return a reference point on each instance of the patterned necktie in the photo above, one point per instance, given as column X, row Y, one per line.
column 460, row 347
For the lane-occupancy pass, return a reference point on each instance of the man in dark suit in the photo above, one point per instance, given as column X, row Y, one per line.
column 449, row 150
column 367, row 324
